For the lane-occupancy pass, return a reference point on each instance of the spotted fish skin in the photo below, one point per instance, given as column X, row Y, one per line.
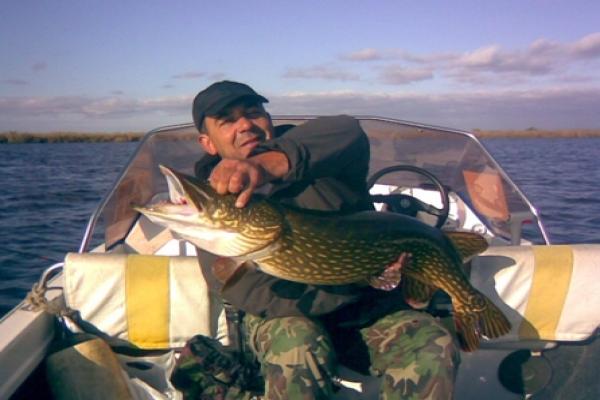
column 327, row 248
column 335, row 250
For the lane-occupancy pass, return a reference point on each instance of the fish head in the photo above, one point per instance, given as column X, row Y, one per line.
column 211, row 221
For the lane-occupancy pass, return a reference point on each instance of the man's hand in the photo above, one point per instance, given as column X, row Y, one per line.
column 238, row 176
column 244, row 176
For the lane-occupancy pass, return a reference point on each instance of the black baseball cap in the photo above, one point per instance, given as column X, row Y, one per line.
column 212, row 100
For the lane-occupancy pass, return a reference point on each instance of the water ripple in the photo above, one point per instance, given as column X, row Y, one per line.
column 49, row 191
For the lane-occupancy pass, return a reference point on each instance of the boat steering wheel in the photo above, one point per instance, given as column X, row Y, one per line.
column 409, row 205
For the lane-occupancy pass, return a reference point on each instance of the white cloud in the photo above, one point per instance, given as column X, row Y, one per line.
column 93, row 107
column 538, row 60
column 559, row 107
column 587, row 47
column 399, row 75
column 542, row 59
column 324, row 72
column 363, row 55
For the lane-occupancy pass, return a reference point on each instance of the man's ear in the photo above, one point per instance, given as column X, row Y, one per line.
column 207, row 144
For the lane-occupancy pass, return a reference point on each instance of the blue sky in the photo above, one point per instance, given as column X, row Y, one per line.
column 125, row 65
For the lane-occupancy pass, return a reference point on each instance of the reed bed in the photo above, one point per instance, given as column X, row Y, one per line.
column 95, row 137
column 69, row 137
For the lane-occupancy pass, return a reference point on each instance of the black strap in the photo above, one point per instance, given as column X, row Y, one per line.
column 234, row 318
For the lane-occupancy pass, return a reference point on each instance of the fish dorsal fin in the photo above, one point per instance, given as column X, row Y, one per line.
column 468, row 244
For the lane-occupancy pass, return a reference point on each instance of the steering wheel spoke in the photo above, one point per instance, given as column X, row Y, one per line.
column 410, row 205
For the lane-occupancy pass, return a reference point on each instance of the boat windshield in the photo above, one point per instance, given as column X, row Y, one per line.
column 456, row 158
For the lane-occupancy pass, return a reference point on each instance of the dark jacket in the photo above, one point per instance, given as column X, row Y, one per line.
column 329, row 162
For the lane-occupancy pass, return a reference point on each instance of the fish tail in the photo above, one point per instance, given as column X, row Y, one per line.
column 492, row 321
column 467, row 331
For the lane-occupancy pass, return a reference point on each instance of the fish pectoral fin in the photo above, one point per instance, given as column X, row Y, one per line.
column 416, row 293
column 468, row 244
column 389, row 278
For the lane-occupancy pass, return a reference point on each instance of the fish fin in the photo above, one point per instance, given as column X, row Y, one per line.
column 416, row 293
column 492, row 321
column 389, row 278
column 486, row 320
column 466, row 330
column 468, row 244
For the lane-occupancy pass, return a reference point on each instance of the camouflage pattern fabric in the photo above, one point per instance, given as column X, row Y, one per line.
column 414, row 354
column 296, row 356
column 207, row 370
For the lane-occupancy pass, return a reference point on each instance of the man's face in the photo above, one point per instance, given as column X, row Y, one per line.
column 236, row 131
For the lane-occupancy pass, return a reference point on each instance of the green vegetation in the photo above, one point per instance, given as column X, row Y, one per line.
column 64, row 137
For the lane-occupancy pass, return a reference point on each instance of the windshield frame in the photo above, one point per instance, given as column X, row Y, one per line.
column 412, row 128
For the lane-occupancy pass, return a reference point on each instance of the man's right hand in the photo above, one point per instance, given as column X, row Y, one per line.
column 238, row 176
column 244, row 176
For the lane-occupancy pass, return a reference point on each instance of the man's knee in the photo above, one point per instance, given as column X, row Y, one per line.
column 415, row 354
column 296, row 356
column 289, row 338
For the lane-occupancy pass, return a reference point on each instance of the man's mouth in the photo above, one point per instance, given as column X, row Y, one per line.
column 252, row 142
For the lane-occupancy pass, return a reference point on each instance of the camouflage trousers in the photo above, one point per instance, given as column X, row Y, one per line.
column 414, row 354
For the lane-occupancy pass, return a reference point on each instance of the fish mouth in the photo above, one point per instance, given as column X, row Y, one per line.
column 179, row 205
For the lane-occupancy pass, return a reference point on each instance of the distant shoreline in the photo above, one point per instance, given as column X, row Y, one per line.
column 537, row 133
column 13, row 137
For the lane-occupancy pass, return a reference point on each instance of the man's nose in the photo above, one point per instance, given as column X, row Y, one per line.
column 243, row 123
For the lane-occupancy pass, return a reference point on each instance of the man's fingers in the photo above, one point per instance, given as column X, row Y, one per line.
column 221, row 186
column 236, row 182
column 237, row 176
column 244, row 197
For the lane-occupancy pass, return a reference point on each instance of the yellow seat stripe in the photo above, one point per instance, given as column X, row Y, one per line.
column 147, row 297
column 549, row 288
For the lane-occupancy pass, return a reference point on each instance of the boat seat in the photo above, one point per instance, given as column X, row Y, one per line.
column 150, row 302
column 155, row 302
column 549, row 293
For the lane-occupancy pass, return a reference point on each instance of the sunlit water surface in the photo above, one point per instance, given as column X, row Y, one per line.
column 49, row 191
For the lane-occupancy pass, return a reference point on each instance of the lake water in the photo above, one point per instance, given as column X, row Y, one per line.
column 49, row 191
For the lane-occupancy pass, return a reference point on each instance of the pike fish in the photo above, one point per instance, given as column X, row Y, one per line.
column 327, row 248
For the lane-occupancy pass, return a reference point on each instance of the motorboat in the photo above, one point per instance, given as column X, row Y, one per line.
column 442, row 176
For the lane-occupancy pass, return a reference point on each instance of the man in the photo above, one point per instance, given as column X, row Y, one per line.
column 295, row 329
